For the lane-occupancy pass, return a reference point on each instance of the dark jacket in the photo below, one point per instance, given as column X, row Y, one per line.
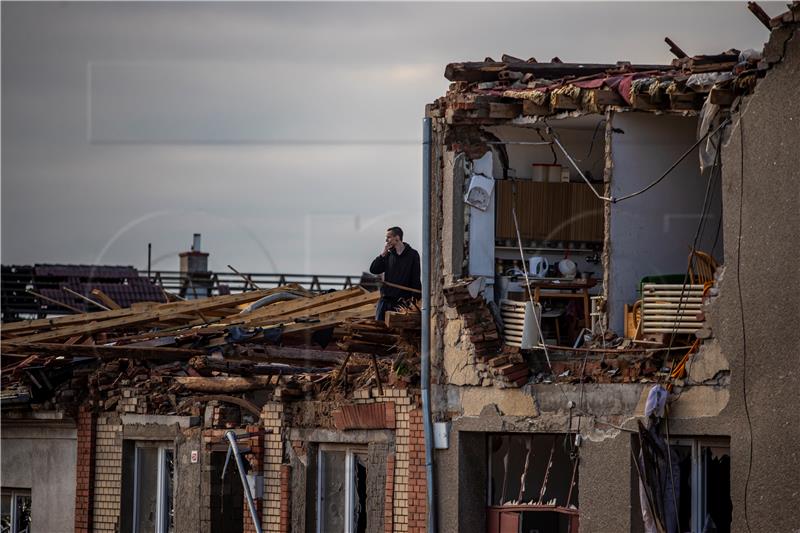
column 401, row 269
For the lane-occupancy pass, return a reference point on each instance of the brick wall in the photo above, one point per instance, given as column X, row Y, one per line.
column 272, row 416
column 107, row 474
column 417, row 502
column 405, row 498
column 84, row 490
column 286, row 498
column 256, row 459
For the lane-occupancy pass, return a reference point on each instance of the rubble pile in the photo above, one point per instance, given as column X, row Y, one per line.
column 286, row 341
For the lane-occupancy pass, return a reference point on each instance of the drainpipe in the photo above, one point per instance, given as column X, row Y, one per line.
column 425, row 361
column 231, row 436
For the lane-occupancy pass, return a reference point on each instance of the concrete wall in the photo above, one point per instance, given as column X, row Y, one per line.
column 651, row 234
column 756, row 321
column 41, row 455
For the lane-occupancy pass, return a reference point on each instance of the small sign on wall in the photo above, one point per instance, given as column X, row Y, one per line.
column 194, row 456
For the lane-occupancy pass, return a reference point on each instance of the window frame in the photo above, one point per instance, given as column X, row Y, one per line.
column 699, row 483
column 15, row 494
column 162, row 523
column 349, row 488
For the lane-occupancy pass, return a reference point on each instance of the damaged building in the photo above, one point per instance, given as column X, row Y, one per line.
column 126, row 420
column 605, row 340
column 620, row 224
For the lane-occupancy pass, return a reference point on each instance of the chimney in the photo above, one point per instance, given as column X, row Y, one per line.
column 194, row 261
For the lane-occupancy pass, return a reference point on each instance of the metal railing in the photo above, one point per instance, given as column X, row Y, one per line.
column 215, row 283
column 21, row 287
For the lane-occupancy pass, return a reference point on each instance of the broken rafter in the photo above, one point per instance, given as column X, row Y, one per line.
column 106, row 299
column 100, row 351
column 488, row 71
column 159, row 312
column 225, row 384
column 760, row 14
column 675, row 49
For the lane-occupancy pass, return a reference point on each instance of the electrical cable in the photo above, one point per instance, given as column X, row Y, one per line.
column 741, row 312
column 661, row 178
column 703, row 215
column 530, row 295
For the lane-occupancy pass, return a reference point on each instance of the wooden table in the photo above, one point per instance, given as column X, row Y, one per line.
column 566, row 289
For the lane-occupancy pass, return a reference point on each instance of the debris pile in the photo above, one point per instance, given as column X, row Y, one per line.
column 286, row 341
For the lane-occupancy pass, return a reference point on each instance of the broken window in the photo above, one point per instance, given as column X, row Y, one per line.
column 342, row 490
column 227, row 496
column 15, row 511
column 533, row 483
column 704, row 498
column 148, row 469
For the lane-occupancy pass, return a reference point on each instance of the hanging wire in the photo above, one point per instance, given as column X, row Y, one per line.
column 661, row 178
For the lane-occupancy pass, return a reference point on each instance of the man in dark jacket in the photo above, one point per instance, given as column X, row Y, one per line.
column 399, row 264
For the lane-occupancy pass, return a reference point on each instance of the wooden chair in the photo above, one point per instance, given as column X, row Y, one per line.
column 701, row 268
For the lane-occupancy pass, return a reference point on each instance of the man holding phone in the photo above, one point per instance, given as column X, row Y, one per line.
column 399, row 264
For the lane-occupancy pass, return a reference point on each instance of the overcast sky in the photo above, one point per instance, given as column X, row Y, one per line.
column 286, row 133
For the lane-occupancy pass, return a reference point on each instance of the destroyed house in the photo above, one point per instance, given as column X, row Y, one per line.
column 126, row 420
column 613, row 342
column 606, row 341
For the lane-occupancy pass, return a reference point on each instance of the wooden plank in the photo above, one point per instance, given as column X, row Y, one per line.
column 105, row 299
column 359, row 301
column 224, row 384
column 103, row 352
column 287, row 307
column 562, row 101
column 530, row 108
column 498, row 110
column 84, row 318
column 606, row 97
column 157, row 313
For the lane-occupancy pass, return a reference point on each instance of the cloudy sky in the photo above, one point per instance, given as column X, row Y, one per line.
column 286, row 133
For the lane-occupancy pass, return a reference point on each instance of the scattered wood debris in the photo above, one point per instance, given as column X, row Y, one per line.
column 286, row 341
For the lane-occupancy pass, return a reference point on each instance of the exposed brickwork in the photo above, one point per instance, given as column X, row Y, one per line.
column 417, row 501
column 107, row 474
column 256, row 459
column 400, row 492
column 272, row 417
column 84, row 490
column 388, row 511
column 286, row 498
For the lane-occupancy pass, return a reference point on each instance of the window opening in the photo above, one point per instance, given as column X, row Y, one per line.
column 15, row 511
column 704, row 500
column 342, row 490
column 227, row 496
column 533, row 484
column 148, row 507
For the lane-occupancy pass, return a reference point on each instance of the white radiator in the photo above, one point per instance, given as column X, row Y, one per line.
column 671, row 308
column 519, row 326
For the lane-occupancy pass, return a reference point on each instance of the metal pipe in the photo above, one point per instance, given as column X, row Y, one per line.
column 231, row 436
column 425, row 360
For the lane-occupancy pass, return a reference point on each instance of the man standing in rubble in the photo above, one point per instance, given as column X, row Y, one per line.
column 399, row 264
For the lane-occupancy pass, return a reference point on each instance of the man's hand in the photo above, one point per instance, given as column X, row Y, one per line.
column 387, row 248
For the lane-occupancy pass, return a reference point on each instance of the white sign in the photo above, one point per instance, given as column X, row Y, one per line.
column 195, row 456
